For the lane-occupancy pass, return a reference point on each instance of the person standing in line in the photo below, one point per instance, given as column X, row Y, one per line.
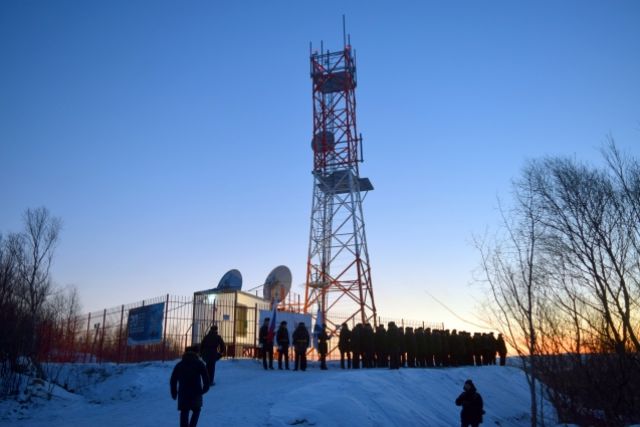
column 344, row 345
column 266, row 342
column 282, row 339
column 393, row 345
column 189, row 381
column 211, row 349
column 356, row 345
column 323, row 347
column 472, row 406
column 502, row 349
column 301, row 341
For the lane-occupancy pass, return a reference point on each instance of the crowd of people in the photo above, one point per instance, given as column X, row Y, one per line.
column 396, row 347
column 392, row 347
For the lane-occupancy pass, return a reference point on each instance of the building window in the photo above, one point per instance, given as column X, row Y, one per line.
column 241, row 321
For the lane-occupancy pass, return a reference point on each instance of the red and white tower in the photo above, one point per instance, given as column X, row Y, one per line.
column 338, row 268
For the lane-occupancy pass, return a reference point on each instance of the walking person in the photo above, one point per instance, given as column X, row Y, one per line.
column 344, row 345
column 301, row 341
column 211, row 349
column 265, row 339
column 189, row 381
column 472, row 406
column 282, row 339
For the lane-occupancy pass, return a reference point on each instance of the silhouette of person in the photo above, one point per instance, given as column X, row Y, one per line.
column 301, row 341
column 266, row 341
column 471, row 402
column 189, row 381
column 282, row 339
column 211, row 349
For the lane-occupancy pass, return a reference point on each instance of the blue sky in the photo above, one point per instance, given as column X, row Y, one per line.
column 173, row 139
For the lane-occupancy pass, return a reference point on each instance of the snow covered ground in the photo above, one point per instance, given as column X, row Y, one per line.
column 110, row 395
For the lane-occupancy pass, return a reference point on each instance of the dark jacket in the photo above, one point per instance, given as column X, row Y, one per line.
column 282, row 337
column 264, row 337
column 344, row 342
column 212, row 347
column 323, row 347
column 471, row 403
column 189, row 381
column 301, row 339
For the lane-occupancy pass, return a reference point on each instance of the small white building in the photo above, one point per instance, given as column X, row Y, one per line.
column 236, row 313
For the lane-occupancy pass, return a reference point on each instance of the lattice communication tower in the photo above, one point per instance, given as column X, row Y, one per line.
column 338, row 269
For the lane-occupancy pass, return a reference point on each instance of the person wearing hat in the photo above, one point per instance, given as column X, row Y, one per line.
column 282, row 339
column 211, row 349
column 189, row 381
column 472, row 405
column 301, row 341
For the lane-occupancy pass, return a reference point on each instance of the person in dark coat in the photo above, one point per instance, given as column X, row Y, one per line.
column 211, row 349
column 323, row 347
column 393, row 346
column 472, row 406
column 282, row 339
column 189, row 381
column 344, row 345
column 301, row 342
column 356, row 345
column 380, row 346
column 502, row 349
column 265, row 339
column 368, row 345
column 410, row 345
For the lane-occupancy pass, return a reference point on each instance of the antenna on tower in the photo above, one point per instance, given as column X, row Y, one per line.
column 344, row 32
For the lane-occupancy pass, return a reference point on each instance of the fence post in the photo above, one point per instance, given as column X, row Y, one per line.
column 235, row 322
column 120, row 334
column 104, row 319
column 86, row 347
column 193, row 322
column 164, row 332
column 255, row 331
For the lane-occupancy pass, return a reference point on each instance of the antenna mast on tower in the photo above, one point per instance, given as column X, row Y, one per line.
column 338, row 268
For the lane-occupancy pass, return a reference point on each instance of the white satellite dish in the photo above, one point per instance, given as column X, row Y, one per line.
column 278, row 284
column 231, row 280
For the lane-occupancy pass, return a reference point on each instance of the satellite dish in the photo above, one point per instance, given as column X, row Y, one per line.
column 231, row 280
column 277, row 284
column 323, row 141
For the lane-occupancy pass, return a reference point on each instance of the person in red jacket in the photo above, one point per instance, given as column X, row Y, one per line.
column 189, row 381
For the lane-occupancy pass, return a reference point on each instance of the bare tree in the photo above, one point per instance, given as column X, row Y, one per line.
column 38, row 242
column 565, row 279
column 514, row 276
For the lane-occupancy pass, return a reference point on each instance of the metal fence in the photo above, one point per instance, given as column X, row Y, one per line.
column 103, row 336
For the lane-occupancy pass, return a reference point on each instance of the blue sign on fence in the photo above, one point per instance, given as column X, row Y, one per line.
column 145, row 324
